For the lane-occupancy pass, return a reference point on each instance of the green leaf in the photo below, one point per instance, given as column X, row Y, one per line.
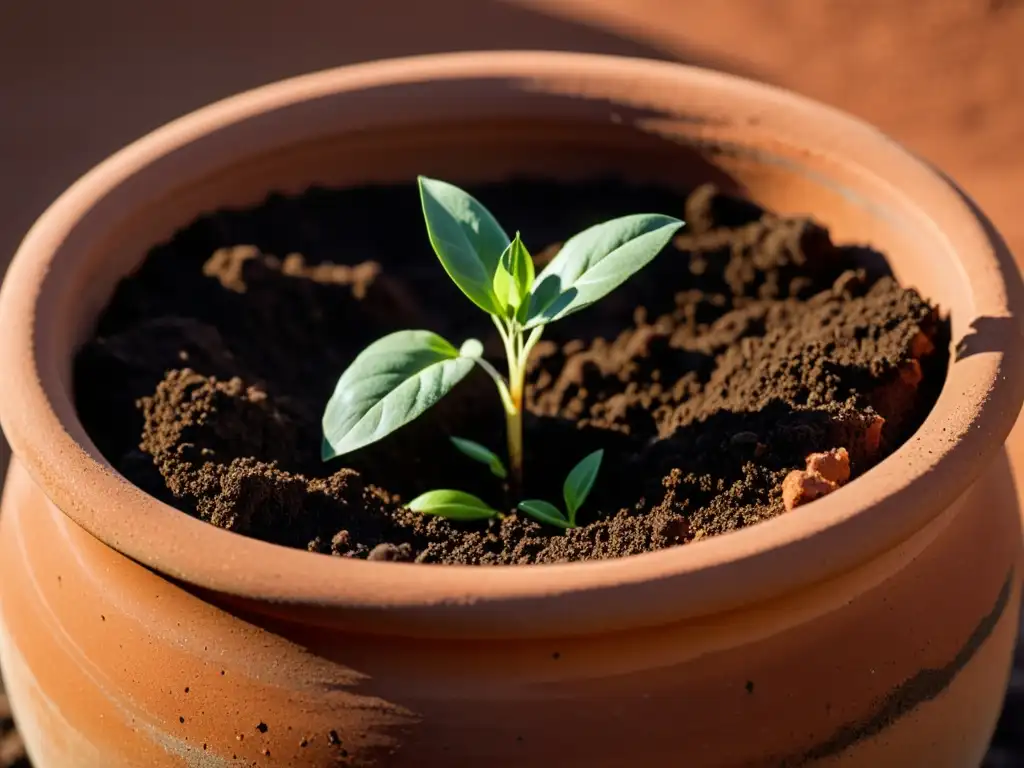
column 514, row 276
column 545, row 512
column 455, row 505
column 579, row 482
column 466, row 238
column 597, row 261
column 479, row 453
column 389, row 384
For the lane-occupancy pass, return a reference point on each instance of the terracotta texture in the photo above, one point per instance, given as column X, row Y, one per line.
column 873, row 627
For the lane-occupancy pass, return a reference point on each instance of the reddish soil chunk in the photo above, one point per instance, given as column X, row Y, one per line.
column 751, row 343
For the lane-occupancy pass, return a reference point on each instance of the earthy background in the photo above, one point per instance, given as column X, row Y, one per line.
column 945, row 77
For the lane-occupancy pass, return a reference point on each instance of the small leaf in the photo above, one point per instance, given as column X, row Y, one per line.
column 466, row 238
column 579, row 482
column 545, row 512
column 455, row 505
column 514, row 276
column 479, row 453
column 595, row 262
column 389, row 384
column 472, row 348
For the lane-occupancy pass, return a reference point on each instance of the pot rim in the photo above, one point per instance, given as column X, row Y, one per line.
column 978, row 407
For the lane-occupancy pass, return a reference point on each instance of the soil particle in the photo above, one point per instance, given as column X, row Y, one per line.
column 750, row 344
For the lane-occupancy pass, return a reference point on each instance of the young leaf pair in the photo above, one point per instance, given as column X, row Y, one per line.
column 574, row 491
column 464, row 506
column 398, row 377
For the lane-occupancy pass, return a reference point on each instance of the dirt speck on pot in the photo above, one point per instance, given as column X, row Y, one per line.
column 752, row 343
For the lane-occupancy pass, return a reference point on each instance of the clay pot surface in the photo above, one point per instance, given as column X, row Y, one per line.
column 873, row 627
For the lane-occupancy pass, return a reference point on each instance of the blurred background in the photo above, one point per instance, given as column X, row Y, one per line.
column 944, row 77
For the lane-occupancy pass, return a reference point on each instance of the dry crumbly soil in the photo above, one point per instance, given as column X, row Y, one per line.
column 751, row 342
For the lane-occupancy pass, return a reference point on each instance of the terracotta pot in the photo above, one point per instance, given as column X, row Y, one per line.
column 871, row 628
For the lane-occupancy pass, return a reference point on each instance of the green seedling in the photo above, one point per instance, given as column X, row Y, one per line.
column 465, row 506
column 575, row 491
column 398, row 377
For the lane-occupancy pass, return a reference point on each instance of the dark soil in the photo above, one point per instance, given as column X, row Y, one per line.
column 12, row 750
column 751, row 342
